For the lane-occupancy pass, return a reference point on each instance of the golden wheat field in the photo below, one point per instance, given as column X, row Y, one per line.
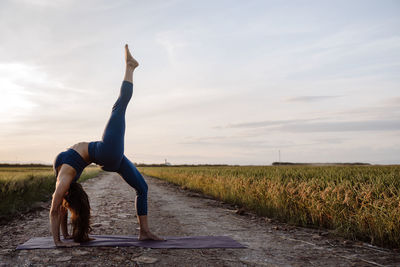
column 358, row 202
column 21, row 187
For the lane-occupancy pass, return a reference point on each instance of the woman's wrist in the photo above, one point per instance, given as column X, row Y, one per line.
column 67, row 236
column 58, row 242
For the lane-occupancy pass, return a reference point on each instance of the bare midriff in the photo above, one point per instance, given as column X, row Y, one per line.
column 83, row 150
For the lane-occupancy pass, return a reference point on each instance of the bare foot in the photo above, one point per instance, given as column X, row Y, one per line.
column 143, row 235
column 130, row 61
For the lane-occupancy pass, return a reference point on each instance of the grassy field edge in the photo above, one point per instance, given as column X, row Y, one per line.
column 359, row 203
column 22, row 187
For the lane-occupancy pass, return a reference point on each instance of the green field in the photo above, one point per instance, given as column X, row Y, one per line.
column 357, row 202
column 21, row 187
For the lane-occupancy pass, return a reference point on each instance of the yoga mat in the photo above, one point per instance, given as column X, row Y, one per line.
column 128, row 241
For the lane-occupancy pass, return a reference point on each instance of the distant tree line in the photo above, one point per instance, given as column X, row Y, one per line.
column 181, row 165
column 194, row 165
column 322, row 164
column 24, row 165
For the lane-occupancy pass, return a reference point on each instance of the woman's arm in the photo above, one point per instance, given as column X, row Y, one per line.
column 62, row 185
column 64, row 223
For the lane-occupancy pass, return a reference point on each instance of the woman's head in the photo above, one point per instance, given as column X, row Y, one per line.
column 77, row 202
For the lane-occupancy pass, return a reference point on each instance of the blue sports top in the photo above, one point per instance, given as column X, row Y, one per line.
column 72, row 158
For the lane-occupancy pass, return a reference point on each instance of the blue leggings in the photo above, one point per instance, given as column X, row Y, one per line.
column 109, row 153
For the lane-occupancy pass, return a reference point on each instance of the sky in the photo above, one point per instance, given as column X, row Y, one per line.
column 219, row 82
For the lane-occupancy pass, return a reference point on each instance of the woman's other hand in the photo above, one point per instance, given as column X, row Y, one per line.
column 66, row 244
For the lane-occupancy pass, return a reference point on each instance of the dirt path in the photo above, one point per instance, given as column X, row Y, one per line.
column 176, row 212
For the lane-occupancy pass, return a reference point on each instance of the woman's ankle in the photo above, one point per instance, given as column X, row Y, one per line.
column 129, row 69
column 128, row 76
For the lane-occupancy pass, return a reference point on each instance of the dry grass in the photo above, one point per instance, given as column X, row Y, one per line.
column 20, row 187
column 358, row 202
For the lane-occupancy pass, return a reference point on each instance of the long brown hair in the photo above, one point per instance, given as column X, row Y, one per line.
column 77, row 202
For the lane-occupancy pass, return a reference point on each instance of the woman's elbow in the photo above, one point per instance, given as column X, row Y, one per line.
column 54, row 212
column 55, row 208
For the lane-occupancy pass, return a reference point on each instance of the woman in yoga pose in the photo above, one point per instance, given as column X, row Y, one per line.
column 109, row 154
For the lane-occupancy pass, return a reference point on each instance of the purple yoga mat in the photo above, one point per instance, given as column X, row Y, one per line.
column 128, row 241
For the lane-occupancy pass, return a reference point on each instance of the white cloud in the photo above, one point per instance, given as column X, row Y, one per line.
column 309, row 98
column 45, row 3
column 14, row 99
column 172, row 44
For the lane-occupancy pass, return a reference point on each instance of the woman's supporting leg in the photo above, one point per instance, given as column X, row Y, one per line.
column 144, row 233
column 132, row 176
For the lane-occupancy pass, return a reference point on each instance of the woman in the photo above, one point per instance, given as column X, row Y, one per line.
column 108, row 153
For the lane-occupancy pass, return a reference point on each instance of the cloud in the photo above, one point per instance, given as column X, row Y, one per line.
column 384, row 115
column 395, row 101
column 262, row 124
column 310, row 98
column 231, row 142
column 172, row 42
column 333, row 141
column 309, row 125
column 346, row 126
column 384, row 109
column 45, row 3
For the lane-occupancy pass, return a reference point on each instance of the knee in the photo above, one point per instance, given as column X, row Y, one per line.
column 142, row 189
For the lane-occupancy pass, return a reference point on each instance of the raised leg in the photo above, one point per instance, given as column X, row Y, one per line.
column 115, row 128
column 109, row 152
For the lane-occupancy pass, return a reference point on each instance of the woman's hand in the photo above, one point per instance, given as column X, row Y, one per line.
column 61, row 244
column 68, row 237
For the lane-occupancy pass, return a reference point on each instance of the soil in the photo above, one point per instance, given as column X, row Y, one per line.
column 177, row 212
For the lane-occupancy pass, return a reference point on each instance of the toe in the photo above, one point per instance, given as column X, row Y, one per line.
column 127, row 51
